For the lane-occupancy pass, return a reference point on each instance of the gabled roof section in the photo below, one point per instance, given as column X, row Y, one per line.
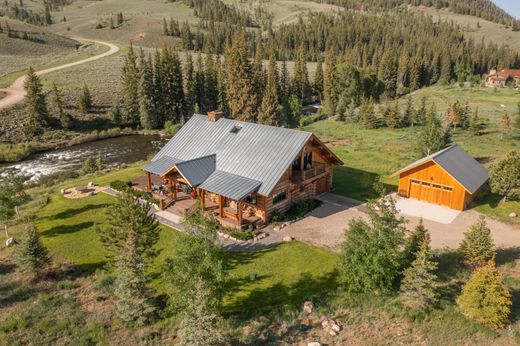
column 162, row 165
column 230, row 185
column 257, row 152
column 460, row 166
column 197, row 170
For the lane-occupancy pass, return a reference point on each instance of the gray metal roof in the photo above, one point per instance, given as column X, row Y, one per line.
column 459, row 164
column 197, row 170
column 257, row 152
column 162, row 165
column 230, row 185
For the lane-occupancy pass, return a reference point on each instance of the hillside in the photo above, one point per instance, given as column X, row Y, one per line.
column 32, row 45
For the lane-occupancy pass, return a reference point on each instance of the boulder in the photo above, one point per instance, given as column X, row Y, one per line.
column 90, row 193
column 314, row 343
column 63, row 191
column 276, row 228
column 90, row 184
column 287, row 238
column 11, row 241
column 336, row 328
column 308, row 306
column 513, row 215
column 333, row 333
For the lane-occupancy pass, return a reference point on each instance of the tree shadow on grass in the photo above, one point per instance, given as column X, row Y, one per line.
column 71, row 212
column 7, row 268
column 508, row 255
column 451, row 273
column 13, row 292
column 357, row 183
column 66, row 229
column 281, row 295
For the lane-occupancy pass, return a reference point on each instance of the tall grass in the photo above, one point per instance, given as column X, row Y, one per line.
column 16, row 152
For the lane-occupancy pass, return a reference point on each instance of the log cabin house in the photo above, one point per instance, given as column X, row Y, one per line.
column 450, row 177
column 241, row 171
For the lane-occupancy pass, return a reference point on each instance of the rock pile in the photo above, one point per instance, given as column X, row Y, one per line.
column 331, row 326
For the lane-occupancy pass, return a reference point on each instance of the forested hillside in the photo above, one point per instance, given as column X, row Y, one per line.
column 479, row 8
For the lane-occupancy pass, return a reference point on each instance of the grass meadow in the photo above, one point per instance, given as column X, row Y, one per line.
column 369, row 154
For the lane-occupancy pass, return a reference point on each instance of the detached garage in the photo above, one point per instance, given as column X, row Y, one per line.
column 450, row 177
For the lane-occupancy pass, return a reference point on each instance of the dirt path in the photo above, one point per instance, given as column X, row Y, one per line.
column 16, row 92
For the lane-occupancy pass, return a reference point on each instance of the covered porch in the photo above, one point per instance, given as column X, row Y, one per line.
column 225, row 195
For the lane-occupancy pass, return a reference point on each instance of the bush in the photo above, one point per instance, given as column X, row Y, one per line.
column 296, row 211
column 485, row 299
column 170, row 129
column 119, row 185
column 55, row 178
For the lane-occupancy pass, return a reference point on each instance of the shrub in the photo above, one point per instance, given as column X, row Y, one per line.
column 504, row 176
column 55, row 178
column 485, row 299
column 477, row 246
column 296, row 211
column 89, row 166
column 120, row 185
column 170, row 128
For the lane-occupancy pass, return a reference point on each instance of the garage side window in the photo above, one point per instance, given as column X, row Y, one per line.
column 279, row 197
column 415, row 182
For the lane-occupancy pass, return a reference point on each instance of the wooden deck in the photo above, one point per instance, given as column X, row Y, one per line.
column 185, row 202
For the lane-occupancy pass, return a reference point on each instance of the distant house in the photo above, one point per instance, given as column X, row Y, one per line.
column 502, row 78
column 241, row 171
column 450, row 177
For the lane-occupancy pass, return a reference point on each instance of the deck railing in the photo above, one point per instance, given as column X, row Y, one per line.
column 316, row 169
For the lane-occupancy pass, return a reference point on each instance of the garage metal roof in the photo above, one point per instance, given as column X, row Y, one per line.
column 230, row 185
column 253, row 151
column 459, row 164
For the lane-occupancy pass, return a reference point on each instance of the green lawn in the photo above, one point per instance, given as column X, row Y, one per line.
column 287, row 274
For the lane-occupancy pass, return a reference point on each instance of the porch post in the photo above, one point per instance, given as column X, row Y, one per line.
column 202, row 200
column 302, row 160
column 170, row 182
column 174, row 181
column 239, row 213
column 148, row 181
column 221, row 206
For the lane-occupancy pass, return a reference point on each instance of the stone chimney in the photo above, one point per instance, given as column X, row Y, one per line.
column 215, row 115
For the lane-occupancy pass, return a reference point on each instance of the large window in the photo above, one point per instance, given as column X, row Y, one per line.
column 279, row 197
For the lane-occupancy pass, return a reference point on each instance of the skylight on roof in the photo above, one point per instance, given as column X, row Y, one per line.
column 236, row 129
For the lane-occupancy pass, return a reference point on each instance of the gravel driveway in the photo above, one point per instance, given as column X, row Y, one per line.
column 325, row 225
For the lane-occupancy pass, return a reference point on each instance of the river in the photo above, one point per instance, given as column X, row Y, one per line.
column 113, row 151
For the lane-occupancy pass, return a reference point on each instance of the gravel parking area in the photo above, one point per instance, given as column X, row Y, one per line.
column 325, row 226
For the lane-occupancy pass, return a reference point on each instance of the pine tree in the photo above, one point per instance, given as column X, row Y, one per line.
column 388, row 74
column 116, row 115
column 330, row 92
column 504, row 176
column 516, row 123
column 257, row 68
column 222, row 101
column 35, row 101
column 173, row 86
column 475, row 124
column 158, row 92
column 415, row 73
column 413, row 242
column 379, row 240
column 422, row 111
column 85, row 100
column 112, row 26
column 505, row 123
column 477, row 246
column 268, row 113
column 126, row 217
column 409, row 115
column 32, row 256
column 419, row 288
column 147, row 113
column 300, row 82
column 199, row 326
column 392, row 116
column 367, row 115
column 210, row 83
column 485, row 299
column 432, row 137
column 199, row 84
column 318, row 80
column 64, row 118
column 285, row 84
column 166, row 32
column 241, row 97
column 133, row 296
column 130, row 75
column 189, row 85
column 120, row 19
column 445, row 77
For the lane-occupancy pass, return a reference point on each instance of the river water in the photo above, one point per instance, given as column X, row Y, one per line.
column 113, row 151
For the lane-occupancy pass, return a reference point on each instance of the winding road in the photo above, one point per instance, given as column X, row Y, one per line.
column 16, row 92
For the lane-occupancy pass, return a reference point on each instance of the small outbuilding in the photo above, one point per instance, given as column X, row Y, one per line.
column 450, row 177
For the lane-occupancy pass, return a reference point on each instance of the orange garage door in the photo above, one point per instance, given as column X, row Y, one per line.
column 430, row 192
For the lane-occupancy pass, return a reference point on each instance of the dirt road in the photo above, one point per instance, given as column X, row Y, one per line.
column 16, row 92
